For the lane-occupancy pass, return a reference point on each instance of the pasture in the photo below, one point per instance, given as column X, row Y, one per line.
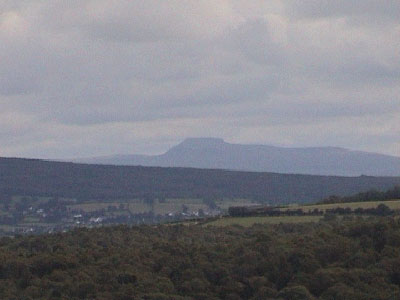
column 392, row 204
column 167, row 206
column 249, row 221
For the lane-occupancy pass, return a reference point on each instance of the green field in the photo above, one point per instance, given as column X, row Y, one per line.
column 392, row 204
column 168, row 206
column 249, row 221
column 226, row 203
column 137, row 206
column 6, row 228
column 91, row 207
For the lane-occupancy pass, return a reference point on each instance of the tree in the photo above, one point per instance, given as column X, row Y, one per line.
column 296, row 292
column 383, row 210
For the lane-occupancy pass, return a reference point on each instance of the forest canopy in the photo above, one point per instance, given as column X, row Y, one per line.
column 354, row 259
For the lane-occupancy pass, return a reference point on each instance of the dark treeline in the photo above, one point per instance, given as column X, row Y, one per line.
column 26, row 177
column 371, row 195
column 357, row 259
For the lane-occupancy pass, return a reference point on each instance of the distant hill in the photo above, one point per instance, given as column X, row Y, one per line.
column 93, row 182
column 216, row 154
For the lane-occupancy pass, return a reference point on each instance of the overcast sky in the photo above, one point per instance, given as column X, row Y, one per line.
column 87, row 78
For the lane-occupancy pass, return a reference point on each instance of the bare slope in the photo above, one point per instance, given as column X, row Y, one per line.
column 105, row 182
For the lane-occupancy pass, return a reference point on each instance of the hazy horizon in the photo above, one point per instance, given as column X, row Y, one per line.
column 247, row 144
column 181, row 141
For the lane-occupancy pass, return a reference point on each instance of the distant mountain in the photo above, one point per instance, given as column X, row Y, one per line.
column 29, row 177
column 214, row 153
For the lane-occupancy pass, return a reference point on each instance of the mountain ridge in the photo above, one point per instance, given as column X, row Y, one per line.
column 215, row 153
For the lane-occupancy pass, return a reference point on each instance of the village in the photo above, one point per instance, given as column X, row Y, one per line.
column 30, row 215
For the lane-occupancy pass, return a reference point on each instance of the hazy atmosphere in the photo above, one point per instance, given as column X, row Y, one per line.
column 87, row 78
column 200, row 150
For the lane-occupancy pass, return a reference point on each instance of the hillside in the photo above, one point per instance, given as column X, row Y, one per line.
column 87, row 182
column 215, row 153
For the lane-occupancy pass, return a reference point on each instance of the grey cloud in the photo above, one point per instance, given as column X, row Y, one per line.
column 253, row 39
column 388, row 10
column 84, row 66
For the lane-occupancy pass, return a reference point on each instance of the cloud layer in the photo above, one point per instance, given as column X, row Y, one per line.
column 83, row 78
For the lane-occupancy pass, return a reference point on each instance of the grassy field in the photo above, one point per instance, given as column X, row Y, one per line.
column 90, row 207
column 392, row 204
column 226, row 203
column 176, row 205
column 134, row 206
column 168, row 206
column 249, row 221
column 6, row 228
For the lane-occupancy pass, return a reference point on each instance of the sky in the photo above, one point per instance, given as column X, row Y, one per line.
column 98, row 77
